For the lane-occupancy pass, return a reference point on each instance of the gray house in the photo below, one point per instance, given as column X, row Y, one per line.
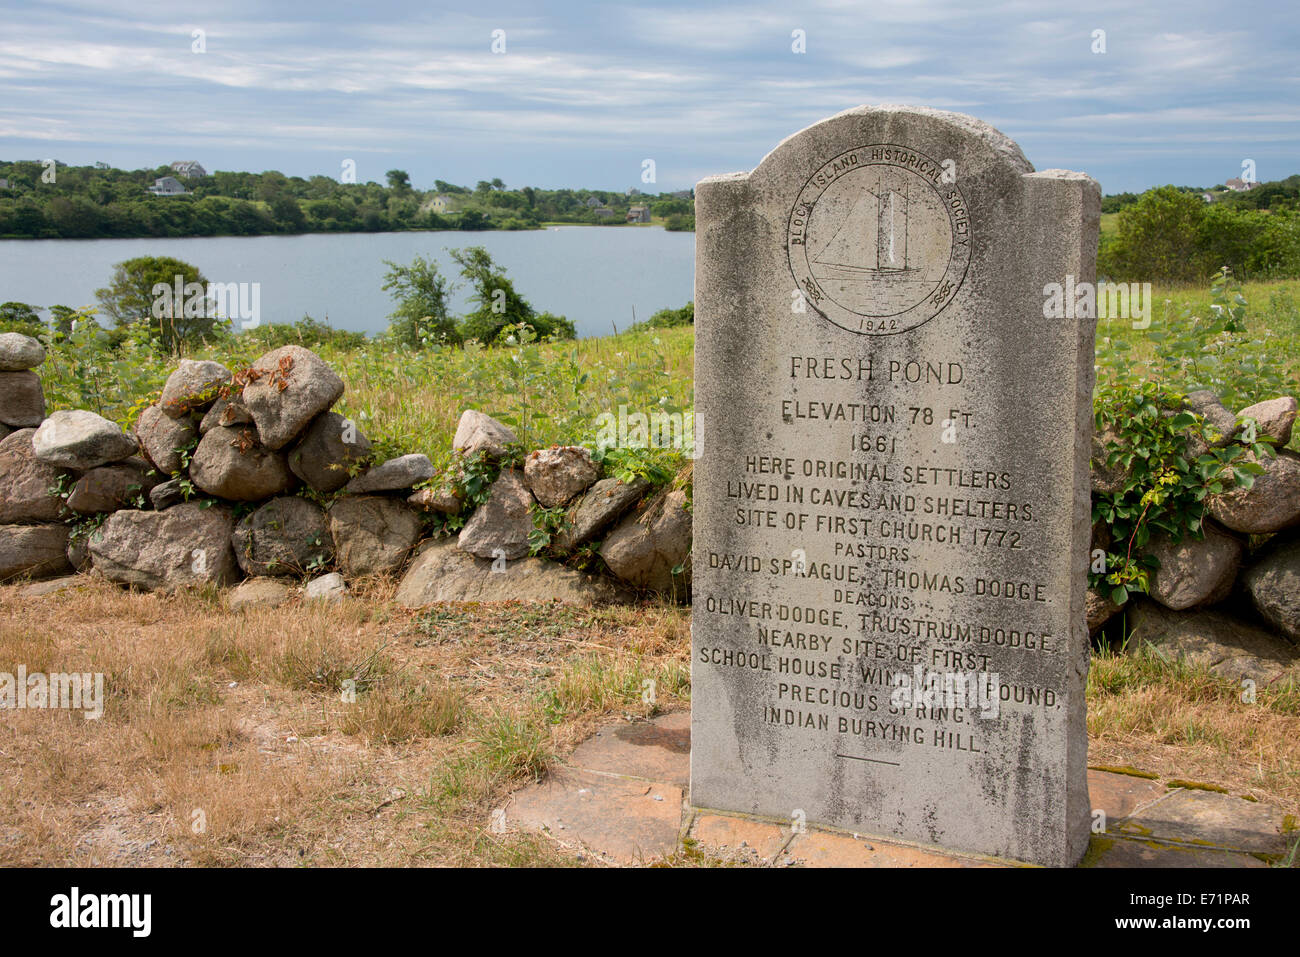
column 188, row 169
column 167, row 186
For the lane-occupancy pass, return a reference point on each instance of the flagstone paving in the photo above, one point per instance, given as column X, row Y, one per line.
column 622, row 798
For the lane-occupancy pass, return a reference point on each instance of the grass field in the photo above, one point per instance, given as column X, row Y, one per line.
column 225, row 739
column 1273, row 312
column 410, row 400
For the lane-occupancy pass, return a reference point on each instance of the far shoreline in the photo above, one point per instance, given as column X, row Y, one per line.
column 540, row 227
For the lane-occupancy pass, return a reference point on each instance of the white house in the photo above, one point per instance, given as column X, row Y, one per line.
column 188, row 169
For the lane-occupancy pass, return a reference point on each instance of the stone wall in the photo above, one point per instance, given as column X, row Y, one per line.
column 1230, row 599
column 251, row 476
column 316, row 511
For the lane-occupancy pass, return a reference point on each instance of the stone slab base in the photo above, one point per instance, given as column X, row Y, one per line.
column 622, row 798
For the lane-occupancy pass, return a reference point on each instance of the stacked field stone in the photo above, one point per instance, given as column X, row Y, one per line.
column 264, row 444
column 32, row 540
column 1232, row 597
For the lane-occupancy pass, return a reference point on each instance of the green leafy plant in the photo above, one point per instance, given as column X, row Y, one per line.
column 656, row 465
column 1214, row 349
column 85, row 527
column 547, row 524
column 1170, row 459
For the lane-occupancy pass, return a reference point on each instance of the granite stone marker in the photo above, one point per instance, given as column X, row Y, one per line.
column 891, row 507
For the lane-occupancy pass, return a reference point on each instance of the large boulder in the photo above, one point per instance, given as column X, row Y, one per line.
column 258, row 593
column 1099, row 609
column 1273, row 582
column 1273, row 417
column 499, row 528
column 403, row 472
column 162, row 438
column 1271, row 504
column 51, row 587
column 289, row 387
column 80, row 439
column 444, row 572
column 19, row 352
column 79, row 550
column 229, row 463
column 224, row 412
column 286, row 536
column 25, row 482
column 1194, row 572
column 329, row 588
column 1206, row 404
column 37, row 551
column 166, row 494
column 557, row 474
column 479, row 432
column 644, row 549
column 331, row 445
column 1226, row 645
column 161, row 551
column 192, row 387
column 1106, row 479
column 604, row 504
column 372, row 534
column 443, row 500
column 22, row 401
column 107, row 488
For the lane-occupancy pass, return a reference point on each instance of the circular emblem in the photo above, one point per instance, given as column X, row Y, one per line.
column 879, row 240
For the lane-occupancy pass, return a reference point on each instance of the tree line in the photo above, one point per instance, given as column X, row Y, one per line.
column 1172, row 235
column 99, row 202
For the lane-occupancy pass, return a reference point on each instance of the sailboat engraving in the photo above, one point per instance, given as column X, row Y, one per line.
column 874, row 246
column 878, row 221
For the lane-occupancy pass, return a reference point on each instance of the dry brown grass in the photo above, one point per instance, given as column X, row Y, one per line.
column 227, row 739
column 1163, row 716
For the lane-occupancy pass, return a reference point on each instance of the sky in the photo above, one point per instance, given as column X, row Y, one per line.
column 584, row 92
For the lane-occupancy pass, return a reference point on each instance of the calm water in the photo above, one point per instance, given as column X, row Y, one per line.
column 596, row 276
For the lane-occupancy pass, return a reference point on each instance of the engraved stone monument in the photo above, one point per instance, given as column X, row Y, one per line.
column 891, row 507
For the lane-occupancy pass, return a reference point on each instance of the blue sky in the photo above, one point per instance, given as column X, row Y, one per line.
column 585, row 92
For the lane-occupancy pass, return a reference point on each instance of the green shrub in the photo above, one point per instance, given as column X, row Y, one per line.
column 1150, row 434
column 668, row 318
column 1172, row 236
column 20, row 317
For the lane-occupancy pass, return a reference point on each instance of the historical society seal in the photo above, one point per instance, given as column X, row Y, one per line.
column 878, row 241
